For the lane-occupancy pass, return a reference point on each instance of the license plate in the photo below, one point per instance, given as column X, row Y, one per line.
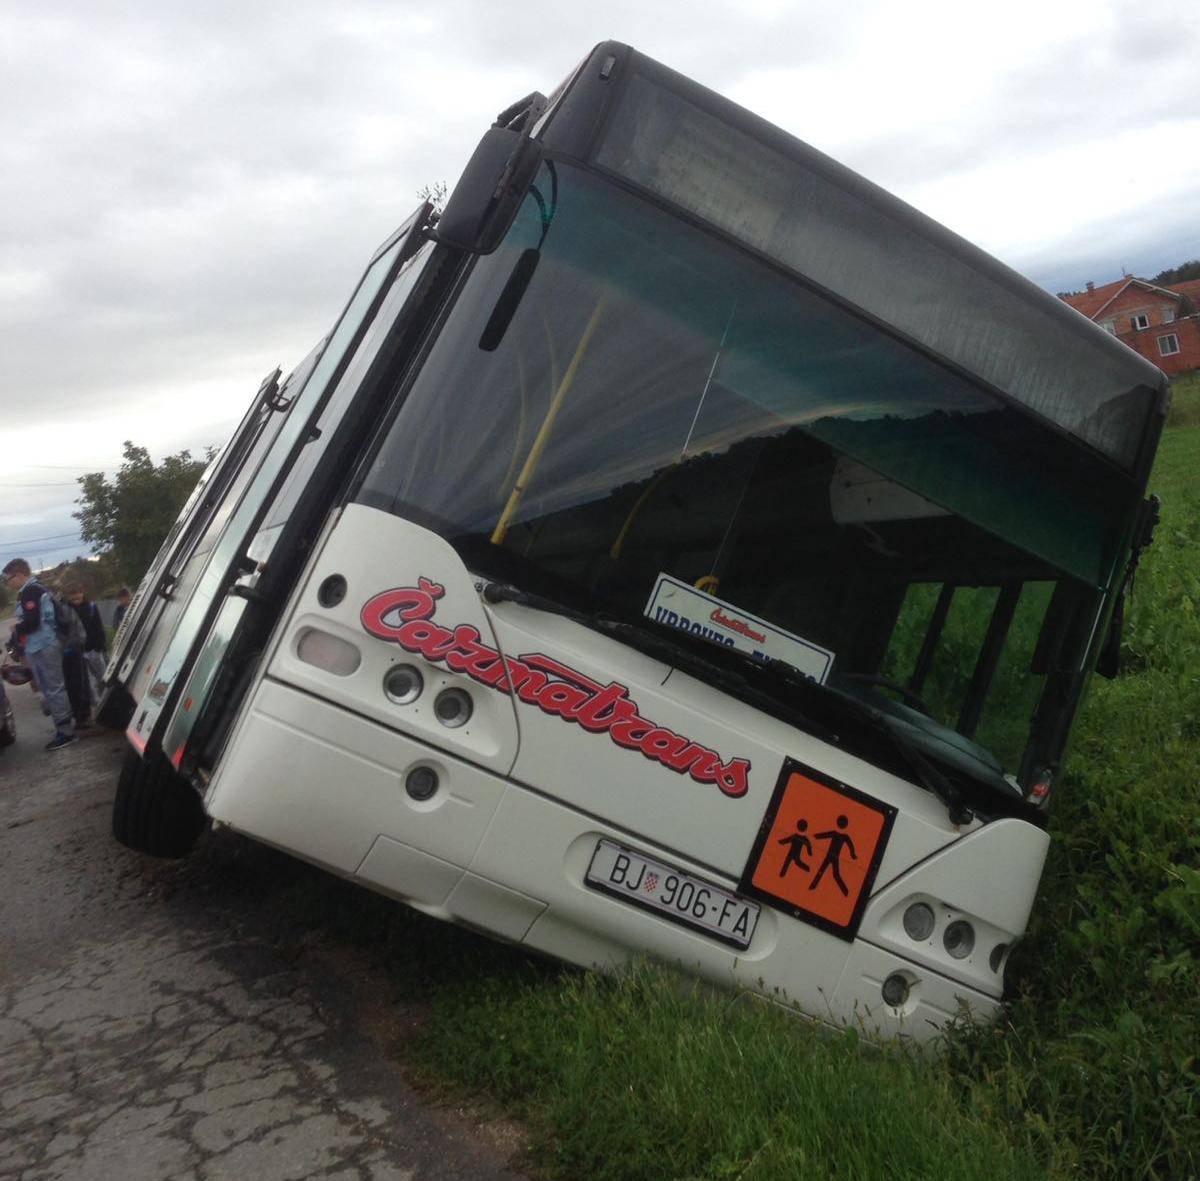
column 642, row 881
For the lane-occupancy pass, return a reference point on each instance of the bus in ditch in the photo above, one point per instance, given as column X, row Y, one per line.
column 678, row 547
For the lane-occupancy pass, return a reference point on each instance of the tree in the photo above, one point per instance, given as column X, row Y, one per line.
column 1179, row 274
column 435, row 193
column 97, row 576
column 128, row 516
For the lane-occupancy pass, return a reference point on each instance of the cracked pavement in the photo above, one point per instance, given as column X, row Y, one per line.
column 164, row 1020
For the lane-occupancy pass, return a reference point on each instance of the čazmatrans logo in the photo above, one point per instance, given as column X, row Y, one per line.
column 405, row 616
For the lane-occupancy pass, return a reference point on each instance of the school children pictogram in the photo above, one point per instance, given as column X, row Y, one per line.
column 798, row 845
column 833, row 854
column 819, row 849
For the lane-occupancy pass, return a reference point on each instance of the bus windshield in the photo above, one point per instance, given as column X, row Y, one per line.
column 659, row 403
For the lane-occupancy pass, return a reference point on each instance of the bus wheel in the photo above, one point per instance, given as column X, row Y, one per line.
column 154, row 810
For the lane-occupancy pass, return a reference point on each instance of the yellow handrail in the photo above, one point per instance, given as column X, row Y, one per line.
column 543, row 435
column 615, row 551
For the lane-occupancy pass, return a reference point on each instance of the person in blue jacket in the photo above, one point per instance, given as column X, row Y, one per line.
column 43, row 653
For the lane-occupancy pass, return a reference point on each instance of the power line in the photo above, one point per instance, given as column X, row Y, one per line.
column 35, row 540
column 67, row 467
column 67, row 484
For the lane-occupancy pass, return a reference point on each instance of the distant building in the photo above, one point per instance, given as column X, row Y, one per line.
column 1161, row 323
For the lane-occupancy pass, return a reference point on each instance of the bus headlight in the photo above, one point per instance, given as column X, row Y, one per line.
column 918, row 921
column 959, row 939
column 453, row 708
column 403, row 684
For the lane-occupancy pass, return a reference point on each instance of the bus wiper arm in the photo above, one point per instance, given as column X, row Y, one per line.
column 667, row 648
column 930, row 777
column 664, row 647
column 505, row 592
column 926, row 772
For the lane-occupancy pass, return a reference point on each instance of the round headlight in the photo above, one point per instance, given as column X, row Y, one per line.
column 996, row 959
column 959, row 939
column 452, row 707
column 918, row 921
column 403, row 684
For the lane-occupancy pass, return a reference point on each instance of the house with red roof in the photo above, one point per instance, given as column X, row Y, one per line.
column 1161, row 323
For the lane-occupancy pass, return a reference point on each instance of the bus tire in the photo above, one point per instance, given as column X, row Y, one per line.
column 154, row 810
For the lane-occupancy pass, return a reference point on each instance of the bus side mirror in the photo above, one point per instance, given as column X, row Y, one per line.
column 490, row 191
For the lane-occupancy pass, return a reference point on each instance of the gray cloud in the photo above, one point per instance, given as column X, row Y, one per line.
column 190, row 191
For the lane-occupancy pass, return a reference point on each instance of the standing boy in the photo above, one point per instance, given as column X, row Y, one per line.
column 71, row 637
column 95, row 638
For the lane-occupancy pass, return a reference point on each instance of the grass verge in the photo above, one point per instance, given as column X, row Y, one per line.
column 645, row 1077
column 1185, row 400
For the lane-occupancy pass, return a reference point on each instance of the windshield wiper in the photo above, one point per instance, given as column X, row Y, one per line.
column 505, row 592
column 675, row 648
column 923, row 768
column 925, row 771
column 642, row 638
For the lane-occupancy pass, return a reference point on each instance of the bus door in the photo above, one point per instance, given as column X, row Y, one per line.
column 184, row 675
column 168, row 584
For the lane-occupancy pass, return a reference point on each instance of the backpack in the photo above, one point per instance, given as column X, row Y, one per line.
column 69, row 626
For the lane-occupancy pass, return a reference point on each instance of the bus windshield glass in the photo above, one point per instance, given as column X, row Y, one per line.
column 823, row 222
column 656, row 402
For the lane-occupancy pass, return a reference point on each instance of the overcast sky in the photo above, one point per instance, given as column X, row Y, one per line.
column 190, row 190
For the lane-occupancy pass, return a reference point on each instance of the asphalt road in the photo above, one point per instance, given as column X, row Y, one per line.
column 165, row 1020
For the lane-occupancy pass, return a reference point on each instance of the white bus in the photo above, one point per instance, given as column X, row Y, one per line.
column 679, row 547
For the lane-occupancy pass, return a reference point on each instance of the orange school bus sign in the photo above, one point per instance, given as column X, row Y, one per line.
column 818, row 850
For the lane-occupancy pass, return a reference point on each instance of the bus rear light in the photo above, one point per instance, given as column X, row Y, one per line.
column 1039, row 793
column 329, row 653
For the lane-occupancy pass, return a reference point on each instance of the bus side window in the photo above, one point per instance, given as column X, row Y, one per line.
column 1055, row 626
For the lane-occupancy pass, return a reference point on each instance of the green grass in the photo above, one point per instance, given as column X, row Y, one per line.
column 1105, row 1029
column 640, row 1077
column 1091, row 1073
column 1185, row 400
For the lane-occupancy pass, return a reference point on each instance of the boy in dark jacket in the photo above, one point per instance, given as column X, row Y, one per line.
column 95, row 644
column 74, row 671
